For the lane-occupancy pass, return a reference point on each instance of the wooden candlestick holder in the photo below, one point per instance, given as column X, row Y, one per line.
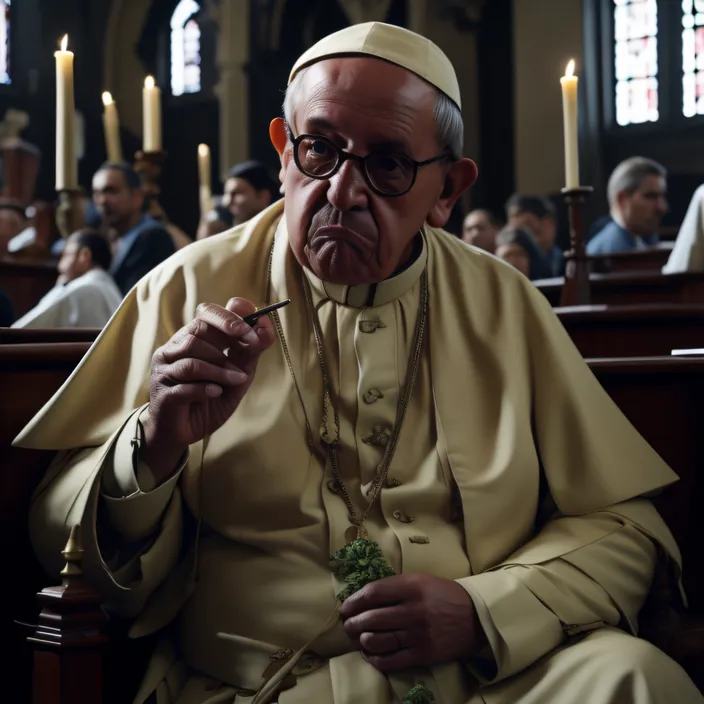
column 149, row 165
column 576, row 290
column 69, row 213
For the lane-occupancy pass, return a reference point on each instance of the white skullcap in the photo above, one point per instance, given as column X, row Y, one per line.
column 394, row 44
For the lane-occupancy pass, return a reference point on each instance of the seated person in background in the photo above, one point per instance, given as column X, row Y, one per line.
column 480, row 228
column 85, row 295
column 12, row 221
column 139, row 241
column 249, row 189
column 502, row 560
column 637, row 194
column 538, row 215
column 215, row 221
column 688, row 252
column 516, row 246
column 7, row 311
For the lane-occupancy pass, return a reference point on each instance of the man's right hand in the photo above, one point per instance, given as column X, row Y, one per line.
column 198, row 379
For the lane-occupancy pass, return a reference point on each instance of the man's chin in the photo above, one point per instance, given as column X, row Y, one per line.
column 340, row 265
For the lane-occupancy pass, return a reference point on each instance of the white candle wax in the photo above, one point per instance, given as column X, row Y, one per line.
column 205, row 195
column 111, row 124
column 570, row 84
column 151, row 97
column 66, row 161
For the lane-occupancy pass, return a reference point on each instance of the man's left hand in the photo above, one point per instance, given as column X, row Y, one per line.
column 412, row 620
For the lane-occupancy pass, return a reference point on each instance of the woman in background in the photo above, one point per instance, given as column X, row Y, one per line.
column 516, row 246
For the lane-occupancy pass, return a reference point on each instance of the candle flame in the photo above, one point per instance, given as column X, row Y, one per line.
column 64, row 43
column 569, row 72
column 149, row 82
column 107, row 98
column 203, row 149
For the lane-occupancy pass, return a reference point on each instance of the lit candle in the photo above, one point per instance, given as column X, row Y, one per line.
column 570, row 112
column 151, row 97
column 204, row 178
column 111, row 125
column 66, row 161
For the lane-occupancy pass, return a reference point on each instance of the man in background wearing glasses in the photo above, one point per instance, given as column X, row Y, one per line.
column 417, row 399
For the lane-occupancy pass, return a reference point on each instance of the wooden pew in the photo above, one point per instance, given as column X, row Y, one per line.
column 29, row 376
column 22, row 336
column 25, row 281
column 650, row 259
column 634, row 287
column 633, row 330
column 663, row 398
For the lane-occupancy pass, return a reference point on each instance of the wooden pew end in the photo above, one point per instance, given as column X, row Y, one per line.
column 69, row 637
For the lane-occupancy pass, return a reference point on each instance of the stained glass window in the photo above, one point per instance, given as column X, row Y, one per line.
column 693, row 57
column 185, row 48
column 5, row 76
column 636, row 61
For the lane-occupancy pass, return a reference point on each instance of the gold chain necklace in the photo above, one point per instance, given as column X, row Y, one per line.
column 331, row 441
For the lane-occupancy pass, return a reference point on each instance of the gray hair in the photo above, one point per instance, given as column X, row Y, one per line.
column 629, row 175
column 448, row 118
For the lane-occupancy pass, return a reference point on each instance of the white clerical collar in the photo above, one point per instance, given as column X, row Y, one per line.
column 372, row 295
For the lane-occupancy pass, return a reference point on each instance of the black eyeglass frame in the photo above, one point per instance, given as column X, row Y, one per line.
column 344, row 156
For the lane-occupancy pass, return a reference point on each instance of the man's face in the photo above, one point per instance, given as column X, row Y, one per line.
column 643, row 210
column 338, row 227
column 116, row 202
column 243, row 200
column 478, row 230
column 75, row 261
column 543, row 229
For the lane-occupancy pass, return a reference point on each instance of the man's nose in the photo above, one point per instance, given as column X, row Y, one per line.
column 348, row 188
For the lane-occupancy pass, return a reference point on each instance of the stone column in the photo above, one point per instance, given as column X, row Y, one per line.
column 232, row 91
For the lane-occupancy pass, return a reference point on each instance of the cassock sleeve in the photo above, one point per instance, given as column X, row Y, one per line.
column 590, row 562
column 132, row 536
column 133, row 501
column 528, row 606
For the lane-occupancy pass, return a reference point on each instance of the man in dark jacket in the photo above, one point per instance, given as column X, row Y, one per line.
column 139, row 241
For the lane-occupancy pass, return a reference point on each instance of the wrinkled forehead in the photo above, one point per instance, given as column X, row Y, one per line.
column 344, row 92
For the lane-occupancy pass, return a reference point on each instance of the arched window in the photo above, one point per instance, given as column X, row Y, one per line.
column 636, row 61
column 185, row 49
column 692, row 57
column 5, row 76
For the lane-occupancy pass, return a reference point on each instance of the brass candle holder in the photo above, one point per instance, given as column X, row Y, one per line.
column 69, row 213
column 576, row 290
column 149, row 165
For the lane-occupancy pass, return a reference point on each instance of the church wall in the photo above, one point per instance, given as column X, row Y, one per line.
column 547, row 34
column 461, row 48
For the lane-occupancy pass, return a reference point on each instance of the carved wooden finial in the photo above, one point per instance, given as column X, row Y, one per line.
column 73, row 553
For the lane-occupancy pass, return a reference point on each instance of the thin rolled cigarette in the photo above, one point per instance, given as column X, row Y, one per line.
column 253, row 317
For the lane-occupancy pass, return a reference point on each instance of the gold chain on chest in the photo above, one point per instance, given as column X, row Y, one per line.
column 331, row 440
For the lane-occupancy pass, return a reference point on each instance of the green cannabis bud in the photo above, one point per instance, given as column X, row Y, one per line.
column 358, row 564
column 419, row 694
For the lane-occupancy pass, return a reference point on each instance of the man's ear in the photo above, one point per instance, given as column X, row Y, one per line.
column 277, row 134
column 460, row 177
column 85, row 257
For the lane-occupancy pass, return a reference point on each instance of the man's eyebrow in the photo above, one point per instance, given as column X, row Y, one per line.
column 379, row 143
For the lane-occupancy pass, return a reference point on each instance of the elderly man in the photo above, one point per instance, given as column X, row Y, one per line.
column 416, row 409
column 637, row 193
column 480, row 228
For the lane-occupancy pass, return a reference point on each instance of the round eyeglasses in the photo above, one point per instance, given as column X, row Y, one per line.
column 386, row 173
